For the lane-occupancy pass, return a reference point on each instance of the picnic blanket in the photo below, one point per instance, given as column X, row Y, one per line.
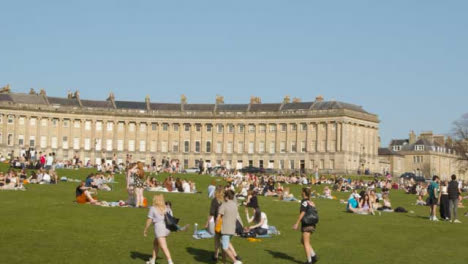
column 162, row 189
column 203, row 233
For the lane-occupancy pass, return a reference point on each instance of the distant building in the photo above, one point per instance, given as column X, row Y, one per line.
column 426, row 155
column 335, row 137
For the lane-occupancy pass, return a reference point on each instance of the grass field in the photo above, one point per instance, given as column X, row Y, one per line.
column 43, row 225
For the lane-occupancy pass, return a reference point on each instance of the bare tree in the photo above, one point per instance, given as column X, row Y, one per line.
column 460, row 142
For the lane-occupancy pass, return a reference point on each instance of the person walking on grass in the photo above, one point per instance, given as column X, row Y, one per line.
column 453, row 196
column 156, row 215
column 306, row 228
column 228, row 214
column 433, row 191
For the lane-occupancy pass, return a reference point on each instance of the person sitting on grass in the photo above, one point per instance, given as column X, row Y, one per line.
column 366, row 205
column 387, row 205
column 83, row 194
column 327, row 193
column 353, row 204
column 260, row 221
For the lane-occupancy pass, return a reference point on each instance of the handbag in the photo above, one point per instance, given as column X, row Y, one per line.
column 219, row 223
column 311, row 216
column 171, row 222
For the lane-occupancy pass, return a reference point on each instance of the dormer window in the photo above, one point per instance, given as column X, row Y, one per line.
column 419, row 147
column 396, row 148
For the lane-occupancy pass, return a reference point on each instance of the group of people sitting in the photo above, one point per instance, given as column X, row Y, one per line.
column 171, row 185
column 368, row 202
column 13, row 180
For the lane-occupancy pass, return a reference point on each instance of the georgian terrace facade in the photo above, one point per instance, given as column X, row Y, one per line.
column 329, row 135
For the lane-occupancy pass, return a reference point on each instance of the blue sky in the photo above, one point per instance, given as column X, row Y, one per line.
column 406, row 61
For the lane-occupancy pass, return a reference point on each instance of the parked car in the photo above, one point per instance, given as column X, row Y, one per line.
column 410, row 175
column 252, row 169
column 192, row 170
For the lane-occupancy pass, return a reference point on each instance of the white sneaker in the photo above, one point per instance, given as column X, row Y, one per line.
column 457, row 221
column 150, row 261
column 238, row 262
column 435, row 219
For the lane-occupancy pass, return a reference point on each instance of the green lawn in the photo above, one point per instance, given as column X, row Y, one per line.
column 44, row 225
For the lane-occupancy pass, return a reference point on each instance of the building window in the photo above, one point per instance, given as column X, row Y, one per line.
column 21, row 140
column 220, row 128
column 77, row 124
column 261, row 147
column 120, row 145
column 251, row 147
column 164, row 146
column 262, row 128
column 65, row 142
column 303, row 146
column 76, row 143
column 142, row 145
column 175, row 127
column 131, row 145
column 98, row 144
column 208, row 146
column 131, row 127
column 229, row 147
column 11, row 119
column 219, row 147
column 98, row 126
column 273, row 128
column 251, row 128
column 230, row 128
column 396, row 148
column 87, row 125
column 32, row 121
column 165, row 126
column 293, row 127
column 291, row 164
column 197, row 146
column 419, row 147
column 272, row 147
column 43, row 142
column 32, row 141
column 281, row 165
column 110, row 126
column 284, row 127
column 87, row 144
column 241, row 128
column 121, row 126
column 240, row 147
column 187, row 127
column 142, row 127
column 109, row 144
column 53, row 142
column 304, row 127
column 198, row 127
column 54, row 122
column 153, row 126
column 10, row 139
column 21, row 121
column 283, row 147
column 332, row 164
column 175, row 146
column 208, row 127
column 66, row 123
column 293, row 146
column 186, row 146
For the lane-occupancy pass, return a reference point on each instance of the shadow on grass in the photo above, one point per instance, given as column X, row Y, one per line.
column 139, row 255
column 283, row 256
column 200, row 255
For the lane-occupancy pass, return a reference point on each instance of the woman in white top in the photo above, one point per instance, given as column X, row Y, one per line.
column 260, row 221
column 156, row 215
column 444, row 201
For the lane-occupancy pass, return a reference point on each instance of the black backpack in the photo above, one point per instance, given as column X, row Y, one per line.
column 311, row 216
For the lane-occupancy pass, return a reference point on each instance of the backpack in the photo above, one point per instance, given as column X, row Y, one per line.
column 311, row 216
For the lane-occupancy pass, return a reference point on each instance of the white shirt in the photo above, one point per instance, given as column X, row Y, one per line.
column 49, row 161
column 265, row 221
column 46, row 177
column 186, row 187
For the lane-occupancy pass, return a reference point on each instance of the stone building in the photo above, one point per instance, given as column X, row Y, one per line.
column 290, row 135
column 428, row 154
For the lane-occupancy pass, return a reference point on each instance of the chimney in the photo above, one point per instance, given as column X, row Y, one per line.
column 148, row 102
column 44, row 95
column 319, row 98
column 412, row 137
column 219, row 99
column 296, row 100
column 255, row 100
column 286, row 99
column 111, row 99
column 77, row 97
column 183, row 101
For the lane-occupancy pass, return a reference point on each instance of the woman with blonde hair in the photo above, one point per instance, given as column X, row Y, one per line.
column 139, row 182
column 156, row 215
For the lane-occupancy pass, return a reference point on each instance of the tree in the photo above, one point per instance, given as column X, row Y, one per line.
column 460, row 140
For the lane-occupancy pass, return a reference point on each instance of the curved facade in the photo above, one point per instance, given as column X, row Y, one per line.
column 329, row 135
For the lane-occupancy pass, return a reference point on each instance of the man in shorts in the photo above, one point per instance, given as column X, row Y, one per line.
column 229, row 214
column 433, row 191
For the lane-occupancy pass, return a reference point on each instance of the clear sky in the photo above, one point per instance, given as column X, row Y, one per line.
column 406, row 61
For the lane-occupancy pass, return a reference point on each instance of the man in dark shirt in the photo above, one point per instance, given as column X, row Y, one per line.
column 454, row 194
